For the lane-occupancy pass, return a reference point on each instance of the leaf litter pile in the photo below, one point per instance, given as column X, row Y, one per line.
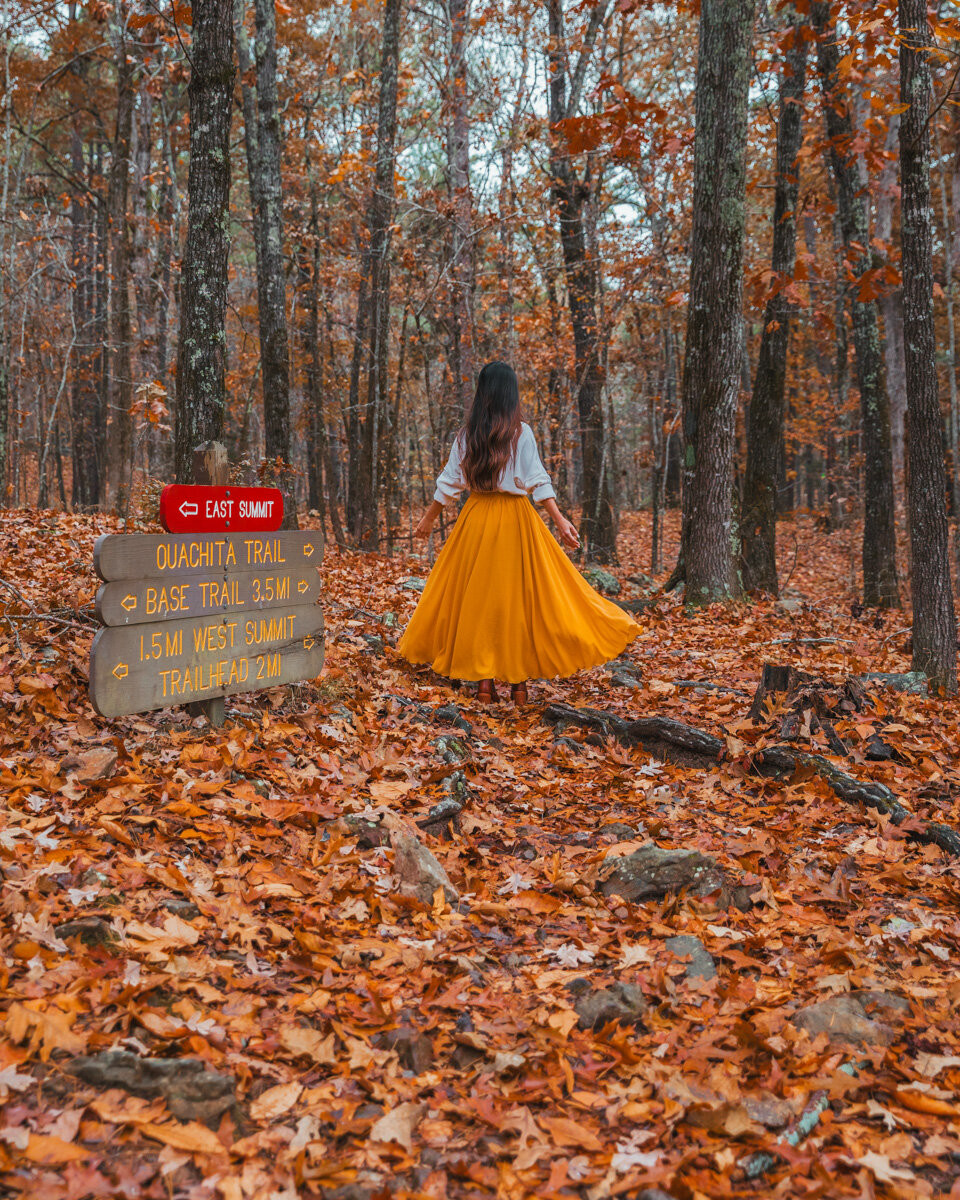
column 372, row 939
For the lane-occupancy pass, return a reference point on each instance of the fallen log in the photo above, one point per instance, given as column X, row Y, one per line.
column 686, row 745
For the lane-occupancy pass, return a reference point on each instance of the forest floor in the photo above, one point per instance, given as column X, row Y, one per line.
column 346, row 1023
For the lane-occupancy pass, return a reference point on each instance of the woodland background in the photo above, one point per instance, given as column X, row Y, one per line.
column 469, row 264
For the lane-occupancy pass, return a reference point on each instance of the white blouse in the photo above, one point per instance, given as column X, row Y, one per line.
column 523, row 475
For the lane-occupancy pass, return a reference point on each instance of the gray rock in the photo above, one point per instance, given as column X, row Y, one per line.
column 623, row 1002
column 913, row 682
column 418, row 871
column 602, row 580
column 449, row 714
column 92, row 931
column 701, row 965
column 852, row 1018
column 621, row 679
column 651, row 874
column 389, row 619
column 414, row 585
column 182, row 908
column 620, row 832
column 375, row 643
column 789, row 605
column 192, row 1090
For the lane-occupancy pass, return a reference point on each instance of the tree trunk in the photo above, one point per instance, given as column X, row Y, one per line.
column 879, row 529
column 201, row 360
column 120, row 386
column 570, row 193
column 934, row 623
column 766, row 417
column 84, row 397
column 375, row 284
column 714, row 346
column 891, row 305
column 262, row 141
column 458, row 156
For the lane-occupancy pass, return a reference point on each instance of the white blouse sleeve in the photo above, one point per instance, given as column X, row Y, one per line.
column 531, row 474
column 450, row 482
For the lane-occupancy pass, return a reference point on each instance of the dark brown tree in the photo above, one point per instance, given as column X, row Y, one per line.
column 458, row 158
column 879, row 528
column 262, row 140
column 934, row 622
column 766, row 416
column 714, row 348
column 120, row 370
column 571, row 195
column 373, row 304
column 201, row 359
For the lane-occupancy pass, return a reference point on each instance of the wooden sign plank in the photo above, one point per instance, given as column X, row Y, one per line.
column 196, row 508
column 143, row 667
column 171, row 556
column 134, row 601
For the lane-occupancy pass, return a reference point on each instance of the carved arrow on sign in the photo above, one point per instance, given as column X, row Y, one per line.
column 129, row 603
column 302, row 586
column 308, row 643
column 121, row 670
column 308, row 550
column 188, row 510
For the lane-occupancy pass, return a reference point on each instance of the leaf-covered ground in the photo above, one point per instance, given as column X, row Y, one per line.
column 177, row 892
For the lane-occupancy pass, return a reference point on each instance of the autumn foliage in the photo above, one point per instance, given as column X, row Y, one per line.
column 248, row 900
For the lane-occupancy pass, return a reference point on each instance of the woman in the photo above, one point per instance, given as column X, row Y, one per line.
column 503, row 601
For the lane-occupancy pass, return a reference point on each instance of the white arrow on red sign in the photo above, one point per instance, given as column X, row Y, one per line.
column 188, row 510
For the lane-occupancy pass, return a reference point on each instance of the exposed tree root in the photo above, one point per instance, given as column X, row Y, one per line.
column 687, row 746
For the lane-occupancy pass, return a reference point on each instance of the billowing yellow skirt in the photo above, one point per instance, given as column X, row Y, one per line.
column 504, row 602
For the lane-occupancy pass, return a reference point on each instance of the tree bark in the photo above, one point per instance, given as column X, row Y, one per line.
column 570, row 194
column 880, row 585
column 458, row 156
column 120, row 385
column 262, row 141
column 714, row 347
column 373, row 309
column 766, row 418
column 934, row 622
column 201, row 360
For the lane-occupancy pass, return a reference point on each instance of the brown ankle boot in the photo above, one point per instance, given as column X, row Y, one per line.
column 518, row 693
column 487, row 691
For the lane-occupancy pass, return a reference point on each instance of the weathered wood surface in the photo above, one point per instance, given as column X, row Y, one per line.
column 171, row 556
column 143, row 667
column 133, row 602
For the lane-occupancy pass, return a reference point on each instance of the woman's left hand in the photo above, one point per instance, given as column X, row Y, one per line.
column 423, row 529
column 568, row 533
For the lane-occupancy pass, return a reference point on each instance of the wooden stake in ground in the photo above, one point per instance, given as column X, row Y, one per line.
column 934, row 621
column 210, row 466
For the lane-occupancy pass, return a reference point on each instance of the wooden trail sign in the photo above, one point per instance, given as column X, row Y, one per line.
column 143, row 667
column 194, row 616
column 171, row 556
column 196, row 508
column 134, row 601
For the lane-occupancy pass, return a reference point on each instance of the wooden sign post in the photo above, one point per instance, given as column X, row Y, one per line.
column 193, row 617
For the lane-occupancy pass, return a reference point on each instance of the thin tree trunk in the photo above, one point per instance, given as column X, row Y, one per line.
column 597, row 530
column 120, row 386
column 766, row 417
column 891, row 306
column 366, row 515
column 262, row 140
column 879, row 528
column 201, row 361
column 458, row 155
column 714, row 345
column 934, row 622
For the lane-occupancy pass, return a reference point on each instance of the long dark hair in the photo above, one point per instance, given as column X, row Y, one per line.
column 493, row 427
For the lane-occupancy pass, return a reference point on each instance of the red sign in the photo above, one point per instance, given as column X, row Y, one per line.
column 195, row 508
